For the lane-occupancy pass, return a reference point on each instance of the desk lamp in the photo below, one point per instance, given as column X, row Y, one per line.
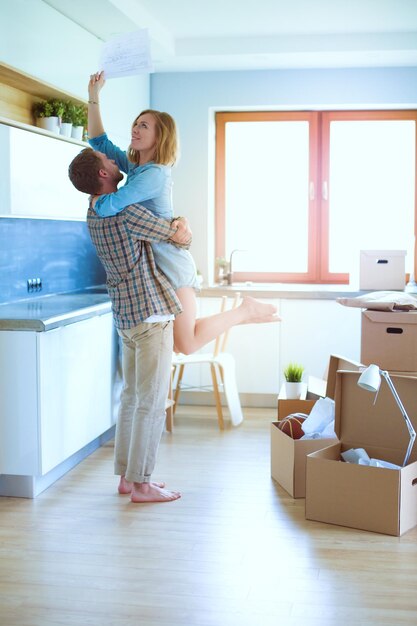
column 370, row 380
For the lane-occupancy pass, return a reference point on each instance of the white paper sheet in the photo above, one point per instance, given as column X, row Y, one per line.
column 127, row 55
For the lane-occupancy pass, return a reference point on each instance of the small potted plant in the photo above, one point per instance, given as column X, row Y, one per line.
column 66, row 119
column 79, row 121
column 293, row 374
column 45, row 117
column 58, row 107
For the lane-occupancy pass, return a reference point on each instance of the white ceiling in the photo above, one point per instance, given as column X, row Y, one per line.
column 199, row 35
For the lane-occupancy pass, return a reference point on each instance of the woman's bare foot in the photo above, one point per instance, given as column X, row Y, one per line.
column 256, row 312
column 125, row 486
column 151, row 492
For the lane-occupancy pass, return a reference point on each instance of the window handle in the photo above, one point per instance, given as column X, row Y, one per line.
column 324, row 190
column 311, row 191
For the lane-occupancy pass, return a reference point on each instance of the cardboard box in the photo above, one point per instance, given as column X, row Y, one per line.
column 382, row 269
column 288, row 459
column 389, row 339
column 369, row 498
column 288, row 456
column 287, row 406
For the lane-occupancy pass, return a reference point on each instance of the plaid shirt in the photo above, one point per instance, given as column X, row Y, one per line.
column 136, row 287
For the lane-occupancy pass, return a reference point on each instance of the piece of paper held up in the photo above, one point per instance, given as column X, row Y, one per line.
column 127, row 55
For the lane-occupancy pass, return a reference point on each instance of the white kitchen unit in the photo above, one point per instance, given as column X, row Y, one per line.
column 55, row 398
column 58, row 199
column 311, row 330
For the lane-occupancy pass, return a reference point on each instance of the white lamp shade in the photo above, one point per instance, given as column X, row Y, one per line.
column 370, row 379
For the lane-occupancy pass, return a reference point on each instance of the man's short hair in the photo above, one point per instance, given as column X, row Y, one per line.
column 83, row 172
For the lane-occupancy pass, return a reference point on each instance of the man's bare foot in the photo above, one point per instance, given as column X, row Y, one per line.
column 151, row 492
column 125, row 486
column 256, row 312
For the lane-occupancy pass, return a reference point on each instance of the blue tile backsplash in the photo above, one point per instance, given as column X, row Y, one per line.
column 58, row 252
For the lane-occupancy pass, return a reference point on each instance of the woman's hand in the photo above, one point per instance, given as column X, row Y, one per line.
column 95, row 85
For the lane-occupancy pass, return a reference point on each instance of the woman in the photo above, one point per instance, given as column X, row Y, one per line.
column 148, row 163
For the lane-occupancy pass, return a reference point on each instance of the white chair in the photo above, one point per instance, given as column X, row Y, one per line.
column 223, row 374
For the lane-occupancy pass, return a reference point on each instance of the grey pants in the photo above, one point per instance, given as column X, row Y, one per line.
column 147, row 358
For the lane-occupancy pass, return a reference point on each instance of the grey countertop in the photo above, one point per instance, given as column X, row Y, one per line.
column 281, row 290
column 48, row 312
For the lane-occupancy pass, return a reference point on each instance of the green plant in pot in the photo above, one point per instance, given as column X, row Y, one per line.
column 58, row 107
column 79, row 120
column 42, row 108
column 45, row 113
column 66, row 118
column 293, row 374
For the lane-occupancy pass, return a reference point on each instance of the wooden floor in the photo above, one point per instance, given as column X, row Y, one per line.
column 234, row 551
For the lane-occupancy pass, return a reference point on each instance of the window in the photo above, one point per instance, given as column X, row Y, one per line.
column 299, row 194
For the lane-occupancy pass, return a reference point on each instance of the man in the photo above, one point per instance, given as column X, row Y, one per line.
column 144, row 305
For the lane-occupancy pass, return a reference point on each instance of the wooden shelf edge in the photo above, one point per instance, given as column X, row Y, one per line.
column 41, row 131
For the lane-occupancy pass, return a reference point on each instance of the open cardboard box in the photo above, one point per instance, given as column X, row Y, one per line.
column 389, row 339
column 288, row 456
column 370, row 498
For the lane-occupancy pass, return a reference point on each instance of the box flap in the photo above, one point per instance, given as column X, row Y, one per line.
column 383, row 253
column 361, row 423
column 391, row 317
column 337, row 362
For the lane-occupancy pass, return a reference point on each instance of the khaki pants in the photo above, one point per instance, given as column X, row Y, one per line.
column 147, row 357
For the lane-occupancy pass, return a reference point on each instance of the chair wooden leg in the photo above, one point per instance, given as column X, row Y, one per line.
column 178, row 388
column 217, row 397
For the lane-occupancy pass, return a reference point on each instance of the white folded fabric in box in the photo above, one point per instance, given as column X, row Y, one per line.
column 361, row 457
column 320, row 423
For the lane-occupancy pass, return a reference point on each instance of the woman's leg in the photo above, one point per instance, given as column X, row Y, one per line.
column 190, row 334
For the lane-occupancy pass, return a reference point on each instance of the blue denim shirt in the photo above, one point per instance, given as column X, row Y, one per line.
column 149, row 184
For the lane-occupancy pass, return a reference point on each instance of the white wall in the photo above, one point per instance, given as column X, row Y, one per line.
column 192, row 98
column 38, row 40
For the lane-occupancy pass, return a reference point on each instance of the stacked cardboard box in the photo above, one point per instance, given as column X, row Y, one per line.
column 389, row 339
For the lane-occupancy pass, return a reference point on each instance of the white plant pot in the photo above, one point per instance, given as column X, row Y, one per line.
column 66, row 128
column 293, row 391
column 77, row 132
column 48, row 123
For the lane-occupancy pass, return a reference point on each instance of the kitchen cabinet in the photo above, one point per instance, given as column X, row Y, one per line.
column 311, row 330
column 255, row 348
column 42, row 190
column 55, row 395
column 34, row 162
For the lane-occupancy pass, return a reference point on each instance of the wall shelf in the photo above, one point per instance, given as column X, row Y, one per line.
column 18, row 92
column 41, row 131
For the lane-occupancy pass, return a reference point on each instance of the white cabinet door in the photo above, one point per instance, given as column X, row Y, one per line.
column 255, row 348
column 47, row 192
column 74, row 387
column 312, row 330
column 256, row 351
column 18, row 403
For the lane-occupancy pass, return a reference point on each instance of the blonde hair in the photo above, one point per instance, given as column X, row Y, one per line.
column 166, row 149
